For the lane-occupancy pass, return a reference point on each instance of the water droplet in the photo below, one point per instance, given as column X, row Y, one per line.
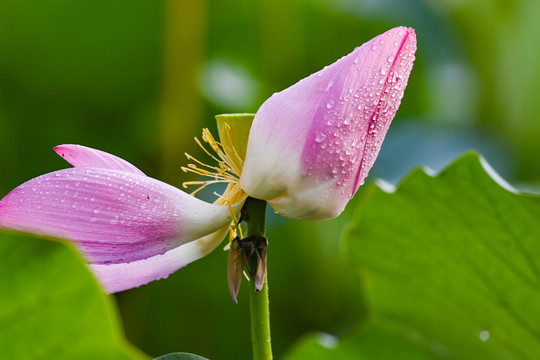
column 330, row 104
column 374, row 47
column 320, row 137
column 390, row 59
column 484, row 335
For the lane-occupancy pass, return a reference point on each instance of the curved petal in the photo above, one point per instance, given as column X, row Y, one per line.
column 312, row 145
column 113, row 216
column 120, row 277
column 82, row 156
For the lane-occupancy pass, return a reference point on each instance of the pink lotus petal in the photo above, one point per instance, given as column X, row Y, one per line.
column 82, row 156
column 312, row 145
column 113, row 216
column 120, row 277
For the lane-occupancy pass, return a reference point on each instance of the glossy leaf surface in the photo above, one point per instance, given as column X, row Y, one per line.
column 454, row 259
column 52, row 308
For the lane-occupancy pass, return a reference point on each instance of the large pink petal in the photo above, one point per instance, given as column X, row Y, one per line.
column 82, row 156
column 312, row 145
column 119, row 277
column 113, row 216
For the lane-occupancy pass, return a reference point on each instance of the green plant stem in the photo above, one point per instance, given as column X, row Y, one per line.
column 258, row 300
column 260, row 323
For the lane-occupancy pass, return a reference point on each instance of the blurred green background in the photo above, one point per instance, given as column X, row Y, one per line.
column 140, row 79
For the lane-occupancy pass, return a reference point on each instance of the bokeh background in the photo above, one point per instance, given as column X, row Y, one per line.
column 140, row 79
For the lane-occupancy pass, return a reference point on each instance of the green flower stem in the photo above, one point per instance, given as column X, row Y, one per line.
column 260, row 322
column 254, row 211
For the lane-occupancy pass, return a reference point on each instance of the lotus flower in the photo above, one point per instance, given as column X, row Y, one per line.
column 310, row 148
column 312, row 145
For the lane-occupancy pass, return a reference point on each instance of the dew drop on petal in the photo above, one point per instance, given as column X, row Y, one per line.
column 320, row 137
column 330, row 104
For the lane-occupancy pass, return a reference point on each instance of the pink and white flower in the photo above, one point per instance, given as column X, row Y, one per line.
column 310, row 148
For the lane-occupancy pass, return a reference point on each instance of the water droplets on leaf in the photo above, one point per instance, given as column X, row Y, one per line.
column 326, row 340
column 484, row 335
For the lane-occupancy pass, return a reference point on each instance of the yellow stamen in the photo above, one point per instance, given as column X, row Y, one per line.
column 226, row 171
column 228, row 133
